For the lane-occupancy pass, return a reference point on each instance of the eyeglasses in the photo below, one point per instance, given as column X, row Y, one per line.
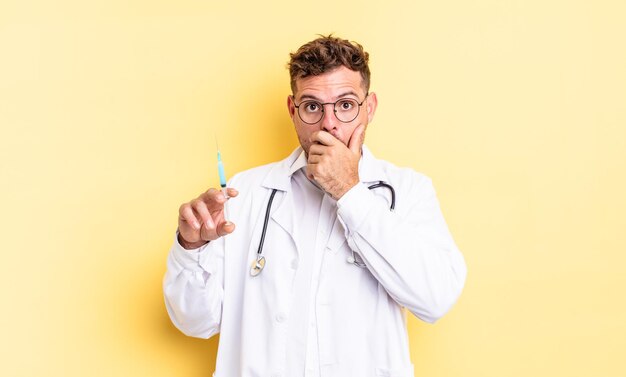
column 346, row 110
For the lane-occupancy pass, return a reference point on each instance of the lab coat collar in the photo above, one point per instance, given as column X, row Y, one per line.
column 279, row 177
column 299, row 163
column 370, row 168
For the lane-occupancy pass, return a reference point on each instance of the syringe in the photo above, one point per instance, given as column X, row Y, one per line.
column 220, row 170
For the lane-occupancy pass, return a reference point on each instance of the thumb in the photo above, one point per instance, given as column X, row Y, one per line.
column 224, row 228
column 356, row 140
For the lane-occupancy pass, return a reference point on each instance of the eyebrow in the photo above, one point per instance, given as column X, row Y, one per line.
column 310, row 96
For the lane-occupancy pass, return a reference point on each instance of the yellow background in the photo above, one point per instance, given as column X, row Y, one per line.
column 108, row 111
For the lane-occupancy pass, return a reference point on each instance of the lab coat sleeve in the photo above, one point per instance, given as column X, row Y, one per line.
column 193, row 288
column 410, row 251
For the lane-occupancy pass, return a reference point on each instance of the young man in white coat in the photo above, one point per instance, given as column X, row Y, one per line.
column 330, row 244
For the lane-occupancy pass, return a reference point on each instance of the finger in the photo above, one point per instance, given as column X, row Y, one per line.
column 232, row 192
column 356, row 140
column 203, row 213
column 324, row 138
column 208, row 234
column 225, row 227
column 314, row 158
column 318, row 149
column 213, row 195
column 185, row 214
column 312, row 171
column 214, row 200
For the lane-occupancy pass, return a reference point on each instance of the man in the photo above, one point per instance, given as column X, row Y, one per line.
column 314, row 278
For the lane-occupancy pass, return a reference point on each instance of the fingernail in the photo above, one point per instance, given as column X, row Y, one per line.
column 196, row 225
column 228, row 223
column 206, row 225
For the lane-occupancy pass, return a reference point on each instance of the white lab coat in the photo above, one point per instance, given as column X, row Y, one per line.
column 412, row 262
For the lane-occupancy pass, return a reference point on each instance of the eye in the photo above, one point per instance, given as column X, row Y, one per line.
column 312, row 107
column 346, row 104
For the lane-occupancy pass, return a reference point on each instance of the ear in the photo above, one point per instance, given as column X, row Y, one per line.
column 372, row 103
column 291, row 107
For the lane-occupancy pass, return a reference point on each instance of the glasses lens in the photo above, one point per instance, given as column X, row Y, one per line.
column 346, row 109
column 310, row 111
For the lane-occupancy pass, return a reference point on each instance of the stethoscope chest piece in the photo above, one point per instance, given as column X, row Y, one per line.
column 257, row 265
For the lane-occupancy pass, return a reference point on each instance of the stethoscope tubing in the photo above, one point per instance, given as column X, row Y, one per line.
column 267, row 217
column 258, row 265
column 388, row 186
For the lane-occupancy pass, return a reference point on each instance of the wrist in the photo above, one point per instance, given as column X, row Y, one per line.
column 347, row 187
column 190, row 245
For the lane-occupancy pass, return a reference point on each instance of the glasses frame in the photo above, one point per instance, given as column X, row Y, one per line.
column 323, row 104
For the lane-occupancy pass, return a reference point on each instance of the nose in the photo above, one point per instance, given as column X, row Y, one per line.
column 329, row 120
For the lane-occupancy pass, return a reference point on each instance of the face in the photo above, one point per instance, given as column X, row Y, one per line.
column 325, row 88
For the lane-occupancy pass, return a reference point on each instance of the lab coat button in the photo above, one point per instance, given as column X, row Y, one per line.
column 281, row 317
column 294, row 264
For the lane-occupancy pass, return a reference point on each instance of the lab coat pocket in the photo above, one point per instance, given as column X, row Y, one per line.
column 397, row 372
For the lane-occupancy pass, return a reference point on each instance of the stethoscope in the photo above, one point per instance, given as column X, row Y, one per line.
column 259, row 263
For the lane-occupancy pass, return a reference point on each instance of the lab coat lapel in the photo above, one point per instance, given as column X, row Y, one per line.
column 283, row 215
column 370, row 169
column 280, row 179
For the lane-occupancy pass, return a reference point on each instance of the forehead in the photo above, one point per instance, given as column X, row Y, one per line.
column 331, row 84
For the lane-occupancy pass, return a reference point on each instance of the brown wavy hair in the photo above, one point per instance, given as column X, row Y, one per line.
column 325, row 54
